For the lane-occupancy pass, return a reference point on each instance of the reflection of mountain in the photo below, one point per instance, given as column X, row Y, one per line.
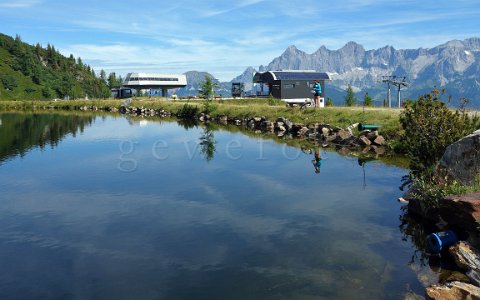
column 21, row 132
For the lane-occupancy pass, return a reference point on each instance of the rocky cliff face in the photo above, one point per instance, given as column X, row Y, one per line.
column 454, row 65
column 195, row 79
column 246, row 78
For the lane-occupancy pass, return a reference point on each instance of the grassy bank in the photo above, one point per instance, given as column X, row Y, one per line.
column 269, row 108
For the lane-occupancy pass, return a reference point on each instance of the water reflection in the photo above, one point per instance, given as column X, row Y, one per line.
column 20, row 132
column 249, row 222
column 207, row 142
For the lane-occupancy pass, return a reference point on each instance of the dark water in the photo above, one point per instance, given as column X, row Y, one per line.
column 107, row 208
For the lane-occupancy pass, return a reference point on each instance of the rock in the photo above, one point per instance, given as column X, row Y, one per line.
column 451, row 276
column 251, row 124
column 379, row 140
column 325, row 131
column 462, row 211
column 379, row 150
column 364, row 133
column 330, row 138
column 453, row 291
column 364, row 141
column 281, row 119
column 288, row 124
column 467, row 259
column 257, row 119
column 282, row 129
column 302, row 132
column 342, row 135
column 413, row 296
column 372, row 135
column 238, row 122
column 461, row 161
column 344, row 151
column 366, row 149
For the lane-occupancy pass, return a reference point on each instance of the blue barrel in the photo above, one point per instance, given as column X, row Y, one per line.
column 437, row 241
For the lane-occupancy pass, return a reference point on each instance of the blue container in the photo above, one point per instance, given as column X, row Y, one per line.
column 437, row 241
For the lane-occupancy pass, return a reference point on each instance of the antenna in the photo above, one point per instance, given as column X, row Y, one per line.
column 399, row 82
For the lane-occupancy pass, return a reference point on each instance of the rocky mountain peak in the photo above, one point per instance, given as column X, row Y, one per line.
column 454, row 64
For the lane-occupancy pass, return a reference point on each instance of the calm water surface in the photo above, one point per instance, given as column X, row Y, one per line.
column 110, row 208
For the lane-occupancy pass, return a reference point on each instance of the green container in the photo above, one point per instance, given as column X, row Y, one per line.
column 368, row 127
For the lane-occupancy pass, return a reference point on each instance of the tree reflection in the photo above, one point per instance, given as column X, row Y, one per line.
column 416, row 230
column 207, row 142
column 21, row 132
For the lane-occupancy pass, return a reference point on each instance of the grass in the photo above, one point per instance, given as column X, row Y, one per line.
column 241, row 108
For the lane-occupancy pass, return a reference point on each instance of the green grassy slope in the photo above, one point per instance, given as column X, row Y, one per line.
column 33, row 73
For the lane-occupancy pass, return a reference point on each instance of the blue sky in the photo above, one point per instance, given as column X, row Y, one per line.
column 224, row 37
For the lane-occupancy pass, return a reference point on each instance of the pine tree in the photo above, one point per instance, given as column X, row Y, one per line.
column 350, row 98
column 103, row 75
column 367, row 100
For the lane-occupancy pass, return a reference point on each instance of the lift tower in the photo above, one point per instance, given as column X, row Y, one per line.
column 399, row 82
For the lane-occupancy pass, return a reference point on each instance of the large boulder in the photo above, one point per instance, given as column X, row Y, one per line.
column 462, row 211
column 461, row 160
column 453, row 291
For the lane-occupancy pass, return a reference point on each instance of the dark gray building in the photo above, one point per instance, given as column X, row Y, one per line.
column 291, row 86
column 238, row 89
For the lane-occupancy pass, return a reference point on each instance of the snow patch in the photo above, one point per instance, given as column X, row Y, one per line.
column 468, row 52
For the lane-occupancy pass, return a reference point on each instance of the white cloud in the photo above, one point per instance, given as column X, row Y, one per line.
column 19, row 3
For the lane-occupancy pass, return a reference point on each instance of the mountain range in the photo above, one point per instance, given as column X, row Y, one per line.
column 454, row 65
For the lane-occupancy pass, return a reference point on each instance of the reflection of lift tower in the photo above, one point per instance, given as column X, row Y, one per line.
column 398, row 82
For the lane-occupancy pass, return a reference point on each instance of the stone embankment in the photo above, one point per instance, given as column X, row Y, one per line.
column 460, row 163
column 465, row 284
column 365, row 141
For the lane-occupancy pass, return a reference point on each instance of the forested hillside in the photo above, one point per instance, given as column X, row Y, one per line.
column 33, row 72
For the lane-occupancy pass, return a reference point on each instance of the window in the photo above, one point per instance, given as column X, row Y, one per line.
column 151, row 79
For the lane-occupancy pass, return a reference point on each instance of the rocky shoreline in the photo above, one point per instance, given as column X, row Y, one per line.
column 366, row 141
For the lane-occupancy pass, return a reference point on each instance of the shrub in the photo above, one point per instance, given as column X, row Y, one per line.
column 208, row 106
column 187, row 111
column 367, row 100
column 329, row 102
column 9, row 82
column 430, row 127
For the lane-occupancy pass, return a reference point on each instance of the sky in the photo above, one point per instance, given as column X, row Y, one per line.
column 225, row 37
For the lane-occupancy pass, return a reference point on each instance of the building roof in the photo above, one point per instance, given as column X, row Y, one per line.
column 154, row 80
column 290, row 75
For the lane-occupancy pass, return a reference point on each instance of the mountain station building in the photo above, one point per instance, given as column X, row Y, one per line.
column 292, row 86
column 152, row 81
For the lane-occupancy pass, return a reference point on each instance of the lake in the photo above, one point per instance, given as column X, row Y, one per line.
column 107, row 207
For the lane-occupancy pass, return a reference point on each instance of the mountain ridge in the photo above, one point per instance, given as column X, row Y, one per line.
column 453, row 65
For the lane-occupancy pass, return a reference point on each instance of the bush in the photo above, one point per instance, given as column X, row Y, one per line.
column 187, row 111
column 329, row 102
column 9, row 82
column 430, row 127
column 208, row 106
